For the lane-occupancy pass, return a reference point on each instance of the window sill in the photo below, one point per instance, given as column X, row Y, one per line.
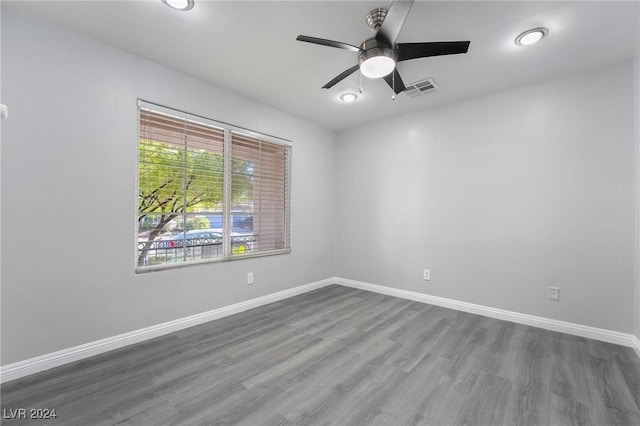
column 180, row 265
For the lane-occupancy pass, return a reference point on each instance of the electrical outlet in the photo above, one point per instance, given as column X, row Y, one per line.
column 426, row 274
column 250, row 278
column 554, row 293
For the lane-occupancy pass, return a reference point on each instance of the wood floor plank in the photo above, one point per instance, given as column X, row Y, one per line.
column 486, row 402
column 404, row 405
column 441, row 405
column 527, row 405
column 342, row 356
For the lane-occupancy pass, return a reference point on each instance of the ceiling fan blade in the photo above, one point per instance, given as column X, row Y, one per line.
column 330, row 43
column 341, row 77
column 408, row 51
column 394, row 81
column 394, row 20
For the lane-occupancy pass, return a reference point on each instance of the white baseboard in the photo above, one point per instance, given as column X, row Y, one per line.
column 44, row 362
column 636, row 345
column 531, row 320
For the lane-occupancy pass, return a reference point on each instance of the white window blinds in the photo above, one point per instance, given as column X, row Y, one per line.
column 208, row 191
column 265, row 166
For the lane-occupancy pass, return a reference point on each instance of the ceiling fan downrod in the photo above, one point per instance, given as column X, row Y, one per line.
column 375, row 18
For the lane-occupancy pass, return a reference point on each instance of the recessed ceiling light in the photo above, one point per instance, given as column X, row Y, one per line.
column 532, row 36
column 179, row 4
column 348, row 97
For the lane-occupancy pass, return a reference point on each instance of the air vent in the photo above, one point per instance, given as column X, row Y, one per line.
column 421, row 88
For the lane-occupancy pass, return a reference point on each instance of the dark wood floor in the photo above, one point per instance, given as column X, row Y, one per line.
column 342, row 356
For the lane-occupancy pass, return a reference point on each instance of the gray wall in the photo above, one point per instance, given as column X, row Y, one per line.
column 68, row 194
column 501, row 197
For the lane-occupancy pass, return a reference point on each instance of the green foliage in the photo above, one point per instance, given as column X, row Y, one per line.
column 198, row 222
column 174, row 180
column 177, row 180
column 146, row 224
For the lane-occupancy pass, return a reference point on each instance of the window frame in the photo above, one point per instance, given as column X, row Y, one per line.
column 227, row 204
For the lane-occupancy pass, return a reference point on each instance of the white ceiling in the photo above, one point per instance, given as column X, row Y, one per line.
column 250, row 47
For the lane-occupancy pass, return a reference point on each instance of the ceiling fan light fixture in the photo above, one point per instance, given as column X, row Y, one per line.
column 377, row 66
column 179, row 4
column 377, row 60
column 531, row 36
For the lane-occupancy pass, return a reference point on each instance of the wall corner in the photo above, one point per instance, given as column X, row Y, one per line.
column 636, row 119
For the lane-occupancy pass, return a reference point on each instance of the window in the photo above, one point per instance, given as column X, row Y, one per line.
column 208, row 191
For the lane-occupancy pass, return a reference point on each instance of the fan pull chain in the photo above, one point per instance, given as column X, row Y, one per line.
column 360, row 82
column 393, row 85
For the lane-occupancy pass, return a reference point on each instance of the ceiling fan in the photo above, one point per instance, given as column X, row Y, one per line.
column 378, row 55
